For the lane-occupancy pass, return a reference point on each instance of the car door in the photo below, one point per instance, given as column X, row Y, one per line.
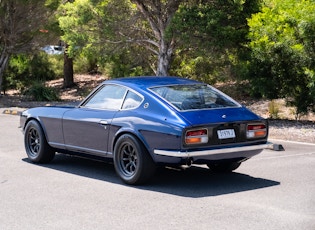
column 87, row 127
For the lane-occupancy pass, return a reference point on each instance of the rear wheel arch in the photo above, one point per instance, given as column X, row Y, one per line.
column 132, row 161
column 136, row 135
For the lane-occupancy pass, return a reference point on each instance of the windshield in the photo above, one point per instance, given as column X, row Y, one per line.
column 194, row 97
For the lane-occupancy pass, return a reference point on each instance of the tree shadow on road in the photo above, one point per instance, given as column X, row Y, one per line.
column 193, row 182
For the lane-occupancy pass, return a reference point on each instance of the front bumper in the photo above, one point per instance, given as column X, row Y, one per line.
column 255, row 149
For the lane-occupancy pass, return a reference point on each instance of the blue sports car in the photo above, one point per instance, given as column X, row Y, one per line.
column 141, row 123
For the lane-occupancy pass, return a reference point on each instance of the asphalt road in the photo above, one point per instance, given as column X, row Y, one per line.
column 274, row 190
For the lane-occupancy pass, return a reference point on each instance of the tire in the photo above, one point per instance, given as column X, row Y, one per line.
column 36, row 146
column 132, row 162
column 224, row 167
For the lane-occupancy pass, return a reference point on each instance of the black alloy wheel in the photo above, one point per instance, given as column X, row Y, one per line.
column 36, row 146
column 132, row 162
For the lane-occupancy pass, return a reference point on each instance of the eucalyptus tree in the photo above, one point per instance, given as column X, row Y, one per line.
column 212, row 27
column 20, row 24
column 161, row 27
column 55, row 29
column 106, row 25
column 159, row 15
column 89, row 27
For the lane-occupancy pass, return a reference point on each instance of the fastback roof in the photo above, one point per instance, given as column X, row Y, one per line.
column 150, row 81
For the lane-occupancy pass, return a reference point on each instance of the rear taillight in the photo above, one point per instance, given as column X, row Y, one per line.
column 256, row 130
column 197, row 136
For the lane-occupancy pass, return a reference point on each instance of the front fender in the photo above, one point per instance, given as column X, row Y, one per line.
column 50, row 119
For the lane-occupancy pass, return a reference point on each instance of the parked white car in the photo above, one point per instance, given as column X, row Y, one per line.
column 51, row 49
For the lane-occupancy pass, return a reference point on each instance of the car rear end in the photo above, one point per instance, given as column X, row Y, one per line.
column 220, row 141
column 219, row 128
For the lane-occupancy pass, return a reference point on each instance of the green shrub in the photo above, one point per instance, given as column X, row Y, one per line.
column 24, row 69
column 281, row 41
column 56, row 64
column 39, row 92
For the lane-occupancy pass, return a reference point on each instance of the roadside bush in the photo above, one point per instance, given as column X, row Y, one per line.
column 39, row 92
column 55, row 63
column 24, row 69
column 282, row 53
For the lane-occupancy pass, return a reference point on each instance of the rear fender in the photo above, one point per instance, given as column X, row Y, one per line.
column 123, row 131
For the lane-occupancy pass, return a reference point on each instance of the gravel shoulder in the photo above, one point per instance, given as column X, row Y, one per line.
column 301, row 131
column 286, row 127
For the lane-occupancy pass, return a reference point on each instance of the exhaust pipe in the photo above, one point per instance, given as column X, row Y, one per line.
column 189, row 162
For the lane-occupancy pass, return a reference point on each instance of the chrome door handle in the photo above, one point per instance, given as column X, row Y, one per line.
column 103, row 122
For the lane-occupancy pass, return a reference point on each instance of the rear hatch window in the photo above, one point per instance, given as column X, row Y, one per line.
column 194, row 97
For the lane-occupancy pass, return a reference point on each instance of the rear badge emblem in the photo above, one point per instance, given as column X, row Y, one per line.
column 224, row 116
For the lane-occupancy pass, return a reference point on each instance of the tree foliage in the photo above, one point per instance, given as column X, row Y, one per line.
column 20, row 24
column 68, row 71
column 270, row 42
column 111, row 26
column 24, row 69
column 210, row 35
column 282, row 49
column 214, row 24
column 99, row 30
column 157, row 30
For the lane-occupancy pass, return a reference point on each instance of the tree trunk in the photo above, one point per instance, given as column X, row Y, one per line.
column 164, row 58
column 159, row 14
column 4, row 59
column 68, row 81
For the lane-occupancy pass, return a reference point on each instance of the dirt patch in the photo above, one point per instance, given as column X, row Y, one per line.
column 84, row 84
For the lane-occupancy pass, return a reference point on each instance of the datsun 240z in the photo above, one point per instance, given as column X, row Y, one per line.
column 141, row 123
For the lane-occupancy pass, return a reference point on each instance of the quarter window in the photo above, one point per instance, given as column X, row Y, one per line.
column 132, row 100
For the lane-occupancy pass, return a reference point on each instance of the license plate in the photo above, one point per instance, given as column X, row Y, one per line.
column 226, row 133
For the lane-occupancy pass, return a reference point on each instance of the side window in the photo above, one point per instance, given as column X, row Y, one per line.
column 132, row 100
column 108, row 97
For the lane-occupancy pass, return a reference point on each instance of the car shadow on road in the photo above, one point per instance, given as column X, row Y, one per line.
column 200, row 182
column 192, row 182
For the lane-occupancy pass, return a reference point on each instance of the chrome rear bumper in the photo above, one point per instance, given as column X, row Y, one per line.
column 185, row 154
